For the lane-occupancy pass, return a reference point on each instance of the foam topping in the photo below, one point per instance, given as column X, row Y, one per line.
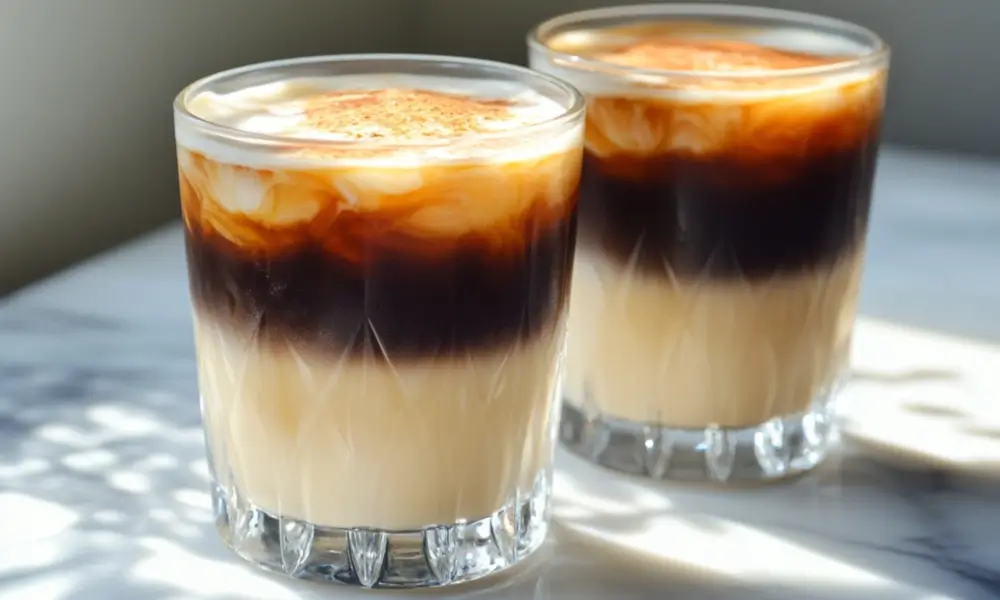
column 381, row 108
column 754, row 57
column 702, row 46
column 718, row 56
column 384, row 178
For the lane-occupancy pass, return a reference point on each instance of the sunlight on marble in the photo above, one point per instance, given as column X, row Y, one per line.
column 162, row 515
column 30, row 527
column 90, row 460
column 716, row 546
column 130, row 481
column 25, row 468
column 66, row 435
column 201, row 515
column 924, row 398
column 193, row 498
column 199, row 469
column 744, row 553
column 584, row 502
column 55, row 587
column 123, row 422
column 203, row 577
column 24, row 518
column 30, row 555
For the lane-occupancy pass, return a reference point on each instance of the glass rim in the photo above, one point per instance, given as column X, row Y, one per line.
column 878, row 54
column 532, row 80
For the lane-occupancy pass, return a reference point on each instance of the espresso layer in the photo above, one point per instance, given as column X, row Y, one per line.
column 397, row 302
column 410, row 249
column 727, row 216
column 718, row 151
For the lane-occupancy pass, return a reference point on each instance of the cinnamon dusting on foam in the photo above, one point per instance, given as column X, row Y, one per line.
column 389, row 119
column 718, row 56
column 404, row 115
column 745, row 108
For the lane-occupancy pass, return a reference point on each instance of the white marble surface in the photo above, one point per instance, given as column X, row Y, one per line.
column 103, row 483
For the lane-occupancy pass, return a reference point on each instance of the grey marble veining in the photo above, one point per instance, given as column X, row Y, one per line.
column 103, row 485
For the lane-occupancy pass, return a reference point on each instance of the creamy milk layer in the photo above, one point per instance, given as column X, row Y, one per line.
column 380, row 296
column 700, row 353
column 344, row 443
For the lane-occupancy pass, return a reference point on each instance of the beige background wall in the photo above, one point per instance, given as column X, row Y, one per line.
column 86, row 157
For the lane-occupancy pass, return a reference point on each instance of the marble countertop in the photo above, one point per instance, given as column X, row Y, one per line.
column 103, row 484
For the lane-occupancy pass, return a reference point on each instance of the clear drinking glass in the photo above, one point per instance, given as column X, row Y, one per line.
column 724, row 205
column 380, row 252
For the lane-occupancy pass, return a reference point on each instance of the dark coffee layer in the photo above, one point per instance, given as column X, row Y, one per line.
column 724, row 216
column 396, row 303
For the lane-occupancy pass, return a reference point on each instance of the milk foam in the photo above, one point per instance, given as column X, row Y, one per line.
column 280, row 109
column 638, row 85
column 684, row 89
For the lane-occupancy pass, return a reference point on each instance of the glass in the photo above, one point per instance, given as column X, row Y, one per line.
column 379, row 250
column 726, row 187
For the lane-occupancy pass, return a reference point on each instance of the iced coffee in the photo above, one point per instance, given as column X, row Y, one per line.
column 380, row 253
column 724, row 204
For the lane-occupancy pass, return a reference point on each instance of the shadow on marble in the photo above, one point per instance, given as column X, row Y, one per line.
column 101, row 462
column 946, row 424
column 856, row 528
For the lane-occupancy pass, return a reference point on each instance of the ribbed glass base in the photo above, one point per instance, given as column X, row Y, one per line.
column 436, row 555
column 781, row 447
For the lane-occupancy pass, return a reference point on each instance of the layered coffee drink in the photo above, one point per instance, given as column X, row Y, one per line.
column 728, row 171
column 380, row 254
